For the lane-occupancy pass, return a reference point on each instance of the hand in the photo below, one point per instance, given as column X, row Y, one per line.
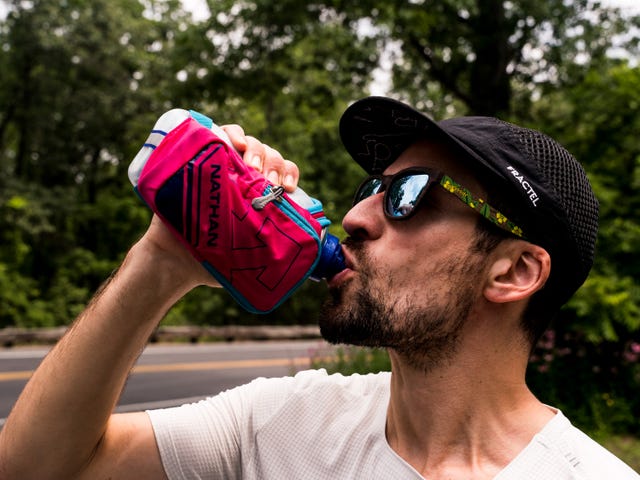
column 158, row 240
column 166, row 252
column 264, row 159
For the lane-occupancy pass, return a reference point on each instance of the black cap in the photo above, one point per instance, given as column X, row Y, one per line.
column 545, row 189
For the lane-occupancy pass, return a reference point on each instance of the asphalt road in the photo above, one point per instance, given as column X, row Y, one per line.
column 167, row 375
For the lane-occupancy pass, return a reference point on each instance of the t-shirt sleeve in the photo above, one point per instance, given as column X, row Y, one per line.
column 206, row 439
column 196, row 440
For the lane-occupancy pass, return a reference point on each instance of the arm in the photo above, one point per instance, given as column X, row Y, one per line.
column 62, row 415
column 62, row 426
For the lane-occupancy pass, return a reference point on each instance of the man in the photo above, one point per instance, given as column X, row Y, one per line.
column 457, row 288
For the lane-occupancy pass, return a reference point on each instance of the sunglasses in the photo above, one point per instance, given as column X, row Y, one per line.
column 404, row 190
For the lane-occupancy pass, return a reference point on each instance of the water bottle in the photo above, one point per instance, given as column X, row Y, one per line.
column 331, row 259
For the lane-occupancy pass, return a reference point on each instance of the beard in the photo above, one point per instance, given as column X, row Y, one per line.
column 422, row 325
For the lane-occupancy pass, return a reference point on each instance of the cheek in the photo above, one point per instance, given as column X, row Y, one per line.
column 400, row 268
column 421, row 261
column 413, row 248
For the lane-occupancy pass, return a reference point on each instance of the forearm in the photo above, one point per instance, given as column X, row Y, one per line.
column 62, row 413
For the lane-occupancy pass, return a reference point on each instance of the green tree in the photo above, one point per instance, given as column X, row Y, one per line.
column 285, row 72
column 75, row 103
column 485, row 57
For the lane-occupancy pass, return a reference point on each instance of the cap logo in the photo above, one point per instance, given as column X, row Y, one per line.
column 526, row 186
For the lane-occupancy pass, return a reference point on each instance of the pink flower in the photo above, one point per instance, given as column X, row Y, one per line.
column 543, row 368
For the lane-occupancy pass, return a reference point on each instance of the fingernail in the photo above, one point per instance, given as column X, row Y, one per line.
column 256, row 162
column 273, row 177
column 288, row 181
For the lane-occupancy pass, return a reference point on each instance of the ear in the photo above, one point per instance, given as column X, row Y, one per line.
column 517, row 273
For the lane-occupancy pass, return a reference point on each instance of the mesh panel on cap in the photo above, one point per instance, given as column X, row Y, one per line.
column 568, row 179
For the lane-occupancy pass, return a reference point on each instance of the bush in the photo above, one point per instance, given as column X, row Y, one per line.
column 594, row 384
column 350, row 360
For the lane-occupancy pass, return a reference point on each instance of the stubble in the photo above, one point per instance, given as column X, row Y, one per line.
column 422, row 323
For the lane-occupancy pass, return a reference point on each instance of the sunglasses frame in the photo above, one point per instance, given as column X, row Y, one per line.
column 463, row 194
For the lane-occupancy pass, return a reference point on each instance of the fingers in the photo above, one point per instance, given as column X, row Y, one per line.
column 237, row 136
column 263, row 158
column 260, row 156
column 291, row 176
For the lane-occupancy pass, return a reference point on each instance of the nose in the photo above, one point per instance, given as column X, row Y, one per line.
column 365, row 220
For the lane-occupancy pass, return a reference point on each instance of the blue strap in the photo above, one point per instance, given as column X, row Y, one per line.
column 201, row 119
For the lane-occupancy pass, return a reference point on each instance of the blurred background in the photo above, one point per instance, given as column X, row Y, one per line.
column 83, row 81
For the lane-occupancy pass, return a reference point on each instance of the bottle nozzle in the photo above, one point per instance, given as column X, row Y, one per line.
column 331, row 259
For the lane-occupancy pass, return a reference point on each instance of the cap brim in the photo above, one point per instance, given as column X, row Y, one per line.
column 376, row 130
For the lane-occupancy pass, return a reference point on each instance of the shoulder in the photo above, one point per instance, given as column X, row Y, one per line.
column 315, row 379
column 253, row 424
column 317, row 387
column 582, row 453
column 322, row 414
column 312, row 404
column 262, row 398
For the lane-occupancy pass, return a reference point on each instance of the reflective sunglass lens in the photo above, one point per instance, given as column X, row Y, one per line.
column 368, row 188
column 404, row 192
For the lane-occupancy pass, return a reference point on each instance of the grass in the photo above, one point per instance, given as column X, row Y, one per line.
column 626, row 448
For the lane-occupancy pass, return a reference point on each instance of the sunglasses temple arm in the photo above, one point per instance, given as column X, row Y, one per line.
column 480, row 206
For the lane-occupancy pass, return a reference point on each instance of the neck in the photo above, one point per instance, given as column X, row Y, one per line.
column 468, row 418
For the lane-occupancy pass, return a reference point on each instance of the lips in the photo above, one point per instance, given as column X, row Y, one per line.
column 348, row 257
column 342, row 276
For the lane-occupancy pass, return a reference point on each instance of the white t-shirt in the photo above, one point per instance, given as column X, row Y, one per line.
column 316, row 426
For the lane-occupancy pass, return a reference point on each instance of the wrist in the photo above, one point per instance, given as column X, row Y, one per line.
column 160, row 252
column 166, row 271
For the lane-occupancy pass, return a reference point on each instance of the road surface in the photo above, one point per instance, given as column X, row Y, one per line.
column 167, row 375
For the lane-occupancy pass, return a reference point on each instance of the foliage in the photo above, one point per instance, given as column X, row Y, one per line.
column 350, row 360
column 625, row 447
column 476, row 56
column 595, row 384
column 274, row 69
column 73, row 108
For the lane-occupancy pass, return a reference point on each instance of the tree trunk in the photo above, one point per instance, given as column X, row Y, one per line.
column 490, row 90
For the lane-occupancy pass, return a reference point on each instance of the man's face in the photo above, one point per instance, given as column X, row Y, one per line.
column 411, row 284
